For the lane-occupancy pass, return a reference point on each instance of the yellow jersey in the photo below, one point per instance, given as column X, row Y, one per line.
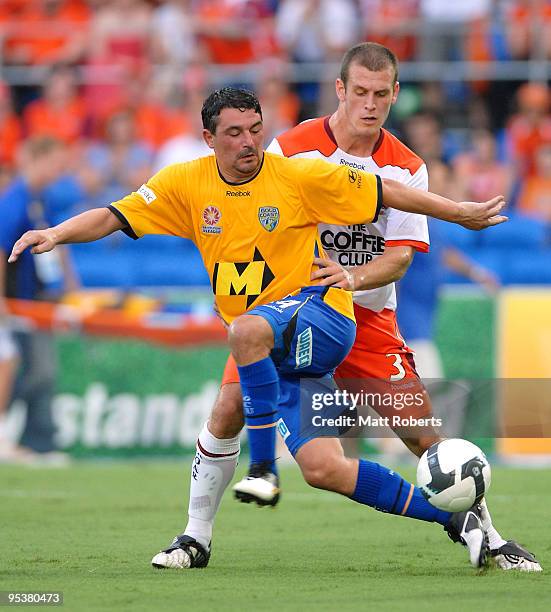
column 257, row 238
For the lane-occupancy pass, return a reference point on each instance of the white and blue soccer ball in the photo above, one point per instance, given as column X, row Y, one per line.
column 453, row 475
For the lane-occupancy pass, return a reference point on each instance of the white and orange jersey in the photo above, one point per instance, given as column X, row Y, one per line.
column 355, row 245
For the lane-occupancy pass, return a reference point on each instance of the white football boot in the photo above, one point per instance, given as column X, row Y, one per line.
column 466, row 527
column 259, row 485
column 511, row 555
column 183, row 553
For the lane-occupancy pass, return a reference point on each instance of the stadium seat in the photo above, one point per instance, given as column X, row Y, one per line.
column 157, row 244
column 454, row 235
column 167, row 270
column 493, row 259
column 518, row 233
column 528, row 267
column 100, row 268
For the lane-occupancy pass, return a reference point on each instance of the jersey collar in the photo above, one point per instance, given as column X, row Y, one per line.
column 242, row 182
column 330, row 134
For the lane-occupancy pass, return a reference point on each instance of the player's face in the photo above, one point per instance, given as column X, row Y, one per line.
column 367, row 98
column 238, row 143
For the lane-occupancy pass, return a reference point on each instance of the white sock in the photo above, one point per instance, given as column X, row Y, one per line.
column 495, row 540
column 212, row 471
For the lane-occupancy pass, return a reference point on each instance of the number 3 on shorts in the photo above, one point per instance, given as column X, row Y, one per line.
column 398, row 365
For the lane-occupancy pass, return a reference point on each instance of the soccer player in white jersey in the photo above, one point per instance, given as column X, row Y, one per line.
column 366, row 259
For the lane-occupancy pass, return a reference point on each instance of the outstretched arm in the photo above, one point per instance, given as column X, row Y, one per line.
column 86, row 227
column 472, row 215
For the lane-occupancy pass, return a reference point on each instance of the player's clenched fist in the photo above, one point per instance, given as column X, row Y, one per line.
column 41, row 240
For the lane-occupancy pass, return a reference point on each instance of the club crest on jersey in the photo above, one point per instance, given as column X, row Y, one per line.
column 268, row 217
column 211, row 217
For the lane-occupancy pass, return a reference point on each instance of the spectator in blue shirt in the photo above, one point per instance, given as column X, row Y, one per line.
column 29, row 203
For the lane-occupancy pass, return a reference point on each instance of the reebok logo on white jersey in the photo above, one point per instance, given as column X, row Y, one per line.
column 147, row 194
column 351, row 164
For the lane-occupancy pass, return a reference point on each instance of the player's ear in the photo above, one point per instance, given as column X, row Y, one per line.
column 340, row 89
column 396, row 91
column 208, row 137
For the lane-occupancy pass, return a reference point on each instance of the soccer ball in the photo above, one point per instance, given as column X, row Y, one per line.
column 453, row 475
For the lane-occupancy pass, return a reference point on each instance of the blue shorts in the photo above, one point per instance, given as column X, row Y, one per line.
column 310, row 340
column 298, row 422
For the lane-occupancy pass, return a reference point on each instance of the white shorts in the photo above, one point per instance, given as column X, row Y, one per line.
column 8, row 349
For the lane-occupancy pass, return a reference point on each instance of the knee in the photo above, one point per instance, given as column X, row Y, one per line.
column 323, row 475
column 250, row 337
column 248, row 329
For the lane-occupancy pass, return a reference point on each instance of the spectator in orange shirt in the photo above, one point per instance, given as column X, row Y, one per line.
column 119, row 49
column 120, row 33
column 527, row 21
column 149, row 96
column 47, row 32
column 530, row 128
column 60, row 112
column 535, row 195
column 10, row 130
column 391, row 24
column 478, row 172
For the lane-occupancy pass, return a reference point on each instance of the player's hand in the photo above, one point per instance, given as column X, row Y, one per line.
column 477, row 216
column 332, row 274
column 42, row 241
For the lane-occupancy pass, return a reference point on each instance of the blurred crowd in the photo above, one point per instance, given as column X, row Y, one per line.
column 120, row 84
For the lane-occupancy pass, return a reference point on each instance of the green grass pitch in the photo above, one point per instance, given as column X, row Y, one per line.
column 91, row 530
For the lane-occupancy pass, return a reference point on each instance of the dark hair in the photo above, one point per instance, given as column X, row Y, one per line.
column 227, row 97
column 370, row 55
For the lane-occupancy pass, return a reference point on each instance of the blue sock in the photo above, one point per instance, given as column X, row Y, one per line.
column 260, row 388
column 384, row 490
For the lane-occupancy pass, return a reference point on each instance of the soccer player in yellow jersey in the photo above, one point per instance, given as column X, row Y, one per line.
column 254, row 217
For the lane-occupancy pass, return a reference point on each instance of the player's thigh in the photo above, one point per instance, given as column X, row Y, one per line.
column 391, row 386
column 310, row 337
column 226, row 418
column 388, row 381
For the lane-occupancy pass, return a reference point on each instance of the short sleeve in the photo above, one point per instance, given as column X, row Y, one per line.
column 160, row 206
column 405, row 228
column 338, row 195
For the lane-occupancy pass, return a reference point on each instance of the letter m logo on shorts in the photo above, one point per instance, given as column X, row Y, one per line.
column 303, row 355
column 248, row 278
